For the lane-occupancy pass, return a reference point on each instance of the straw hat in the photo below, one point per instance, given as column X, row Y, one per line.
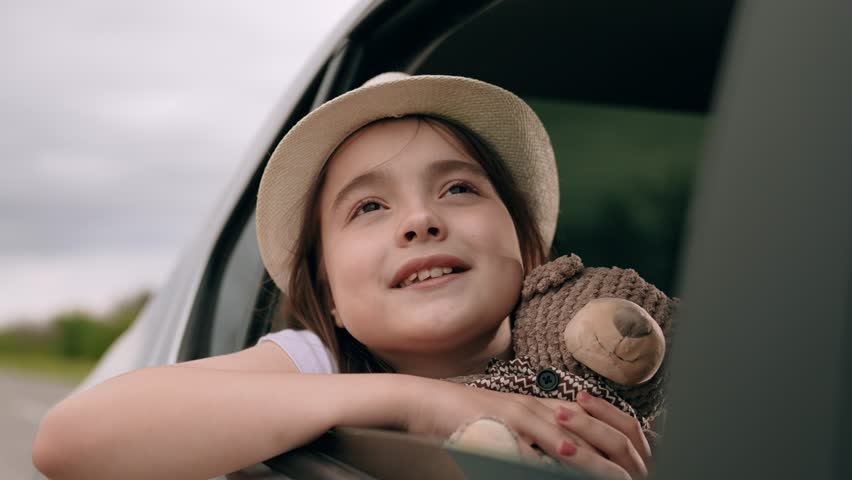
column 502, row 120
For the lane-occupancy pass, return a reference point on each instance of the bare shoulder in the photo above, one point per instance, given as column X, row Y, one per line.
column 264, row 357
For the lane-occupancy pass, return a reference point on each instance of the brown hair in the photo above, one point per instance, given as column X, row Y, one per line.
column 308, row 297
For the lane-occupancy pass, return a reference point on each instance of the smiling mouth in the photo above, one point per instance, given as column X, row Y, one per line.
column 430, row 276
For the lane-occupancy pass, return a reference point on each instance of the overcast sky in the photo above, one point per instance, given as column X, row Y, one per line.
column 120, row 124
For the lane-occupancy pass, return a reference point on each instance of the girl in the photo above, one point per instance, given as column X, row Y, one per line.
column 419, row 204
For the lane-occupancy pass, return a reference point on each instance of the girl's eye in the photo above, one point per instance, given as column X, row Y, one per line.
column 460, row 188
column 367, row 207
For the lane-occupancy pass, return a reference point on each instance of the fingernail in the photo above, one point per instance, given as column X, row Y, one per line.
column 563, row 414
column 568, row 448
column 583, row 397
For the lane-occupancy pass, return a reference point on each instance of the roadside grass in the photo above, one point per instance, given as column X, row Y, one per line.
column 45, row 364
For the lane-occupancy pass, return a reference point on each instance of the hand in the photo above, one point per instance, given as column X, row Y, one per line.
column 619, row 449
column 438, row 408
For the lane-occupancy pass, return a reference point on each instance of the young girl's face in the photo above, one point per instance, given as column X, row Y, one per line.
column 403, row 197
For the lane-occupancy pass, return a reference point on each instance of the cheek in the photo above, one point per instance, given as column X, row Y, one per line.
column 342, row 268
column 351, row 271
column 502, row 286
column 493, row 238
column 492, row 230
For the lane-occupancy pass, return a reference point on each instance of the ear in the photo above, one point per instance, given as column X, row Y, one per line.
column 333, row 310
column 337, row 320
column 551, row 275
column 326, row 288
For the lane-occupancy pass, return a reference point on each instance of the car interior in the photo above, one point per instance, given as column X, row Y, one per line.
column 628, row 92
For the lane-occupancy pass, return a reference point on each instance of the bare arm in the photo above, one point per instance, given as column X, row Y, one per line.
column 212, row 416
column 180, row 422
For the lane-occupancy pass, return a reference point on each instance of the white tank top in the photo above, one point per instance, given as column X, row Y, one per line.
column 305, row 349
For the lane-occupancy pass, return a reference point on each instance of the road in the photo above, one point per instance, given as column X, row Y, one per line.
column 23, row 401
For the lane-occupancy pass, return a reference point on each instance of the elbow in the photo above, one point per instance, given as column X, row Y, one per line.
column 45, row 455
column 53, row 450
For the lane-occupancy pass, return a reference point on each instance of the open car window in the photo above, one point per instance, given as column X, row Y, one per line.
column 627, row 132
column 625, row 93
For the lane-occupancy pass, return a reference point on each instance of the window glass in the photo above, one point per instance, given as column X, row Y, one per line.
column 235, row 303
column 625, row 177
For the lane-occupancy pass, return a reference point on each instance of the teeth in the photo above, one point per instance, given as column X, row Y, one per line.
column 424, row 274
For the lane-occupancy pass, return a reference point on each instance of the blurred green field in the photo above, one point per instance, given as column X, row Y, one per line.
column 44, row 364
column 68, row 345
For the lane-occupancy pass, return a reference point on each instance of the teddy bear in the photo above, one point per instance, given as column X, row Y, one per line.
column 604, row 331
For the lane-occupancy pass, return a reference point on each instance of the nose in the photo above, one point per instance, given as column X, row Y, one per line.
column 419, row 225
column 631, row 324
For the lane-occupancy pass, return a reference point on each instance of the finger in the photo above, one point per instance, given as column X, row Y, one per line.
column 545, row 433
column 586, row 459
column 555, row 403
column 611, row 442
column 528, row 452
column 621, row 421
column 551, row 406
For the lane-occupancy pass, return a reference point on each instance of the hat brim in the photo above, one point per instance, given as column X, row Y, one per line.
column 501, row 119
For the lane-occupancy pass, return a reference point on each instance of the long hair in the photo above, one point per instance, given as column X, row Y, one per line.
column 308, row 296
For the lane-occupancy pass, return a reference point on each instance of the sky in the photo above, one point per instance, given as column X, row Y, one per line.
column 120, row 125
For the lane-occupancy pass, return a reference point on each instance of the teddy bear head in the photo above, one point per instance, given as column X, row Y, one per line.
column 608, row 324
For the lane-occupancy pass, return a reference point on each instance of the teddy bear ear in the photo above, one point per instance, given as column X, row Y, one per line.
column 551, row 275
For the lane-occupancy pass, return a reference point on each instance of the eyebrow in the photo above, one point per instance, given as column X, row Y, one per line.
column 443, row 167
column 373, row 177
column 435, row 169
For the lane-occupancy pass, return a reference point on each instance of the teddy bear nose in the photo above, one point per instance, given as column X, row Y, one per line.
column 631, row 324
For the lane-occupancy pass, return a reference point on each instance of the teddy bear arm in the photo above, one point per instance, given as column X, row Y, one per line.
column 489, row 435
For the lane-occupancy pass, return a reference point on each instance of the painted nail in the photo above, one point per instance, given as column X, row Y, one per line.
column 563, row 415
column 583, row 397
column 568, row 448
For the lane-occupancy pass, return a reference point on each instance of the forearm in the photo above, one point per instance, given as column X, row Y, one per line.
column 173, row 422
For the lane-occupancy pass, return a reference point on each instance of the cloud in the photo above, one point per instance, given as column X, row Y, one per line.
column 121, row 123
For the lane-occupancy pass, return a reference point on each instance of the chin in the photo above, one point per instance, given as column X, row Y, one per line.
column 451, row 328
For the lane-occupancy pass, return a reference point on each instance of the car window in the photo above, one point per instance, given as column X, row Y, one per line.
column 235, row 304
column 626, row 124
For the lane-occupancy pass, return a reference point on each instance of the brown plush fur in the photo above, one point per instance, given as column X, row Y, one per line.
column 552, row 294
